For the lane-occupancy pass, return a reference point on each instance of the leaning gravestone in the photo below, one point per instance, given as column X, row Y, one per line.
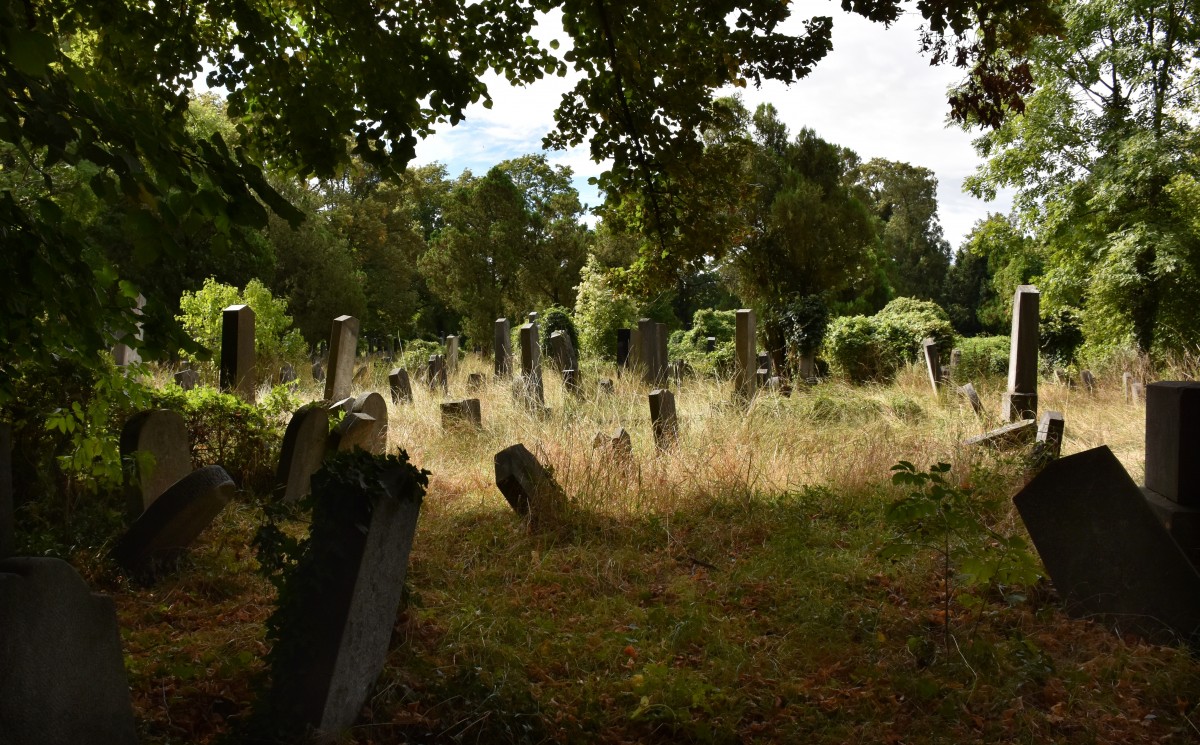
column 465, row 413
column 161, row 435
column 746, row 363
column 502, row 346
column 933, row 362
column 237, row 351
column 123, row 354
column 1050, row 434
column 373, row 405
column 62, row 675
column 1020, row 401
column 340, row 603
column 968, row 390
column 1089, row 380
column 400, row 386
column 173, row 521
column 343, row 344
column 663, row 418
column 187, row 379
column 305, row 443
column 529, row 488
column 1108, row 555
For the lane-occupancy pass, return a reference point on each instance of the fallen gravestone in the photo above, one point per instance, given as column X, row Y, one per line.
column 237, row 351
column 663, row 418
column 305, row 443
column 530, row 490
column 1015, row 435
column 1108, row 555
column 156, row 443
column 465, row 413
column 173, row 521
column 62, row 675
column 968, row 390
column 340, row 603
column 187, row 379
column 343, row 344
column 400, row 386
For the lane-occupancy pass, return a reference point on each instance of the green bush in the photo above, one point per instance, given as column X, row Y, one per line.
column 1061, row 336
column 872, row 348
column 556, row 318
column 415, row 356
column 982, row 357
column 275, row 341
column 918, row 320
column 692, row 345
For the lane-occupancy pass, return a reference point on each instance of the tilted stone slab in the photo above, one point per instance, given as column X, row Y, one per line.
column 1108, row 555
column 562, row 350
column 163, row 435
column 401, row 386
column 172, row 523
column 1050, row 434
column 343, row 345
column 663, row 418
column 530, row 490
column 1010, row 436
column 933, row 362
column 969, row 391
column 62, row 675
column 305, row 443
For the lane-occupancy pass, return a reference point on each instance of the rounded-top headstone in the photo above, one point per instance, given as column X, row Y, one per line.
column 162, row 434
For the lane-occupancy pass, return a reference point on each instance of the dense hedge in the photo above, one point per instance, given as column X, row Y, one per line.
column 873, row 347
column 982, row 357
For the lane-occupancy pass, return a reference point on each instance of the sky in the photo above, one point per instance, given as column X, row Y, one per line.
column 874, row 93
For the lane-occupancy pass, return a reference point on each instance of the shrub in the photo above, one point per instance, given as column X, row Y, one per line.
column 982, row 357
column 556, row 318
column 918, row 320
column 275, row 341
column 873, row 348
column 416, row 353
column 599, row 312
column 1061, row 333
column 692, row 345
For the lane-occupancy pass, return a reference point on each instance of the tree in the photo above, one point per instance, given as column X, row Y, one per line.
column 993, row 260
column 1101, row 156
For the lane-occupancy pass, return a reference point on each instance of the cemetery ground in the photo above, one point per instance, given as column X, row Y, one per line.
column 729, row 589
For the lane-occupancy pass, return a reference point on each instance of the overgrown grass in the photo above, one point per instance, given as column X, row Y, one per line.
column 728, row 590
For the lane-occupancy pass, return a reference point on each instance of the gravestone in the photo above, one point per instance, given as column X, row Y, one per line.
column 745, row 367
column 933, row 362
column 237, row 351
column 187, row 379
column 1050, row 435
column 373, row 405
column 356, row 431
column 361, row 374
column 7, row 517
column 1137, row 392
column 62, row 674
column 562, row 351
column 634, row 360
column 163, row 436
column 1013, row 435
column 710, row 344
column 531, row 366
column 663, row 418
column 173, row 521
column 529, row 488
column 1089, row 380
column 305, row 443
column 287, row 374
column 465, row 413
column 1020, row 400
column 123, row 354
column 451, row 354
column 618, row 445
column 761, row 376
column 435, row 373
column 808, row 365
column 1107, row 554
column 343, row 344
column 968, row 390
column 1173, row 441
column 343, row 602
column 573, row 381
column 400, row 386
column 955, row 360
column 475, row 382
column 622, row 349
column 532, row 317
column 764, row 362
column 1127, row 386
column 502, row 344
column 318, row 371
column 606, row 386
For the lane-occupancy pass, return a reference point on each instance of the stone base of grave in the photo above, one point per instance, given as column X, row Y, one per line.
column 465, row 413
column 1183, row 523
column 1018, row 406
column 1010, row 436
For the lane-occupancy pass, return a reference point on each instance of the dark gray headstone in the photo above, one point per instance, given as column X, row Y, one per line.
column 345, row 607
column 1107, row 553
column 400, row 386
column 187, row 379
column 465, row 413
column 502, row 348
column 563, row 350
column 169, row 526
column 531, row 366
column 305, row 443
column 163, row 435
column 761, row 376
column 237, row 351
column 451, row 354
column 7, row 518
column 710, row 344
column 287, row 374
column 968, row 390
column 318, row 371
column 1050, row 434
column 663, row 418
column 435, row 373
column 623, row 342
column 1173, row 441
column 1089, row 380
column 1015, row 435
column 62, row 675
column 343, row 345
column 529, row 488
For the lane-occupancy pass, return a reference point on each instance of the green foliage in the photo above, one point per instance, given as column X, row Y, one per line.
column 275, row 341
column 599, row 311
column 936, row 516
column 556, row 318
column 415, row 356
column 692, row 345
column 873, row 348
column 796, row 325
column 982, row 357
column 1061, row 335
column 918, row 320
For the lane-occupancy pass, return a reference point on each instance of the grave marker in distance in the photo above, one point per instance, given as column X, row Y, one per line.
column 401, row 387
column 663, row 418
column 237, row 351
column 343, row 344
column 502, row 344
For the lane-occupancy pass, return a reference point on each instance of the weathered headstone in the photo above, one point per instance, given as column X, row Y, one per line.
column 502, row 347
column 401, row 387
column 663, row 418
column 318, row 371
column 606, row 385
column 563, row 351
column 7, row 518
column 1137, row 392
column 343, row 601
column 62, row 674
column 462, row 413
column 173, row 521
column 356, row 431
column 287, row 374
column 933, row 362
column 761, row 376
column 1089, row 380
column 237, row 351
column 187, row 379
column 162, row 435
column 373, row 405
column 1127, row 385
column 305, row 443
column 1020, row 401
column 360, row 374
column 435, row 373
column 1012, row 435
column 1105, row 550
column 764, row 362
column 634, row 360
column 1050, row 434
column 343, row 344
column 746, row 362
column 618, row 445
column 475, row 382
column 529, row 488
column 531, row 366
column 955, row 361
column 532, row 316
column 968, row 390
column 451, row 354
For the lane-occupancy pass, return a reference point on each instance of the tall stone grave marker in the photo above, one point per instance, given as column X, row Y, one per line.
column 162, row 437
column 531, row 366
column 529, row 488
column 1173, row 460
column 7, row 524
column 305, row 443
column 746, row 367
column 451, row 354
column 237, row 351
column 401, row 387
column 63, row 678
column 933, row 362
column 563, row 350
column 634, row 360
column 502, row 344
column 1020, row 401
column 663, row 418
column 343, row 344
